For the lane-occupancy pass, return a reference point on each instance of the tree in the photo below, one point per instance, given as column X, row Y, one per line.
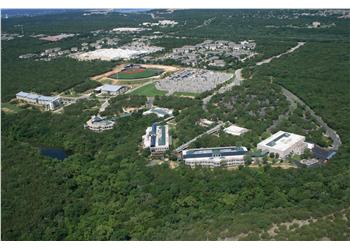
column 247, row 160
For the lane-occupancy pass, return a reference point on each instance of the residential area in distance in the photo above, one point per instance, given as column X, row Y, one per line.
column 166, row 124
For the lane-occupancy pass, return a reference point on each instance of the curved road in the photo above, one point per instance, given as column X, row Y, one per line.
column 330, row 132
column 289, row 95
column 238, row 75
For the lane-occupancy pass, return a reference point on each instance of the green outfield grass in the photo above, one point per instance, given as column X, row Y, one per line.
column 138, row 75
column 148, row 90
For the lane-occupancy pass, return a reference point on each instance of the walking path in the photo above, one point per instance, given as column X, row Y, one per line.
column 292, row 98
column 208, row 132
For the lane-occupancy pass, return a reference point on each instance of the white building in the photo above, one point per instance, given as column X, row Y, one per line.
column 99, row 124
column 215, row 157
column 157, row 139
column 160, row 112
column 48, row 102
column 235, row 130
column 205, row 122
column 283, row 144
column 316, row 24
column 109, row 89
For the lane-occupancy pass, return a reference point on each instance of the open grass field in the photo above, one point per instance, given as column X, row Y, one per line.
column 186, row 94
column 148, row 90
column 137, row 73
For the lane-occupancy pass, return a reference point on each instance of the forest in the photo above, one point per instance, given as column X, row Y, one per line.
column 106, row 189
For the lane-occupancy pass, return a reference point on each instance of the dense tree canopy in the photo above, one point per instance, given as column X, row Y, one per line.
column 108, row 190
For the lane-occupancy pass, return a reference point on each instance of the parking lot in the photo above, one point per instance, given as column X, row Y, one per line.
column 192, row 81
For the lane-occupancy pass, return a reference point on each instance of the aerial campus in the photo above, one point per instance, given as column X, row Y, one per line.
column 175, row 124
column 203, row 71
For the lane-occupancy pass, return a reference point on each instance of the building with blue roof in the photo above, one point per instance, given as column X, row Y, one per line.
column 157, row 139
column 214, row 157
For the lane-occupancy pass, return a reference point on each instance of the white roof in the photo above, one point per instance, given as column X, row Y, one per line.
column 109, row 87
column 160, row 112
column 235, row 130
column 27, row 95
column 281, row 140
column 47, row 98
column 34, row 96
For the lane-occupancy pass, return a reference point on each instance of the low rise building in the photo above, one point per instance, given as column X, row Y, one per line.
column 109, row 89
column 99, row 124
column 160, row 112
column 205, row 123
column 235, row 130
column 214, row 157
column 157, row 139
column 48, row 102
column 283, row 144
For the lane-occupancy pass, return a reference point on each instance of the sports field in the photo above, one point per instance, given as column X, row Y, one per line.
column 148, row 90
column 137, row 73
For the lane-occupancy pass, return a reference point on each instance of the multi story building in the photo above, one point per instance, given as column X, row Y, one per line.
column 283, row 144
column 157, row 139
column 214, row 157
column 48, row 102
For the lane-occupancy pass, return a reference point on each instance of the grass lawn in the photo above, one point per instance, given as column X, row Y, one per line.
column 185, row 94
column 148, row 90
column 137, row 75
column 106, row 81
column 10, row 107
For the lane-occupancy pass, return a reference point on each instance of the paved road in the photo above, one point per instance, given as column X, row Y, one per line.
column 330, row 132
column 289, row 95
column 236, row 81
column 291, row 50
column 238, row 76
column 104, row 106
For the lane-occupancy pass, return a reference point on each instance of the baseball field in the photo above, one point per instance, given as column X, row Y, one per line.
column 137, row 73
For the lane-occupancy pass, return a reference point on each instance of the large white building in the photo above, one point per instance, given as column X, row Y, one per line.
column 109, row 89
column 283, row 144
column 157, row 139
column 214, row 157
column 48, row 102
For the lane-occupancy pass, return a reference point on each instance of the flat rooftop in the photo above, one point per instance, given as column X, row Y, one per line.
column 34, row 96
column 27, row 95
column 162, row 137
column 235, row 130
column 281, row 140
column 109, row 88
column 213, row 152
